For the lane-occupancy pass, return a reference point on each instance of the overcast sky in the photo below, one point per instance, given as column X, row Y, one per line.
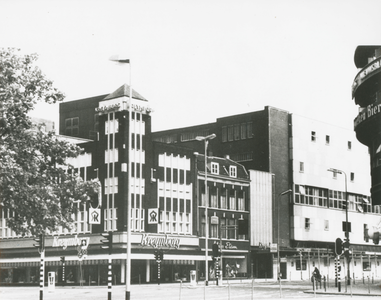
column 196, row 61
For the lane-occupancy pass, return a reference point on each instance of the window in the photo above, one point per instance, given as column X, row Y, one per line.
column 223, row 199
column 297, row 264
column 327, row 139
column 349, row 145
column 313, row 136
column 301, row 167
column 352, row 176
column 366, row 266
column 230, row 133
column 349, row 226
column 214, row 230
column 213, row 198
column 241, row 200
column 224, row 134
column 326, row 225
column 236, row 132
column 243, row 131
column 250, row 130
column 72, row 126
column 233, row 171
column 202, row 226
column 307, row 223
column 232, row 202
column 214, row 168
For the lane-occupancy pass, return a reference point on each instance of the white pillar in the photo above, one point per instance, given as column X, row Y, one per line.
column 122, row 273
column 148, row 274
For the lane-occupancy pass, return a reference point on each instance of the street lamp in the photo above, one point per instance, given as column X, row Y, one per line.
column 206, row 140
column 278, row 255
column 346, row 244
column 118, row 59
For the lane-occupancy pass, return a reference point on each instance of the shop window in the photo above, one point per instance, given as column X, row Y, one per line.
column 304, row 265
column 366, row 266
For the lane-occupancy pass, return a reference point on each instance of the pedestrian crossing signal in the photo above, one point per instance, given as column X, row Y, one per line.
column 107, row 243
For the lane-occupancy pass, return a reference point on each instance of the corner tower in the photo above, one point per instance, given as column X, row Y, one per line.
column 366, row 92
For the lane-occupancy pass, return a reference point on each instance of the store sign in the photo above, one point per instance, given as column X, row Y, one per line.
column 153, row 216
column 375, row 65
column 159, row 241
column 67, row 242
column 229, row 246
column 370, row 111
column 95, row 215
column 108, row 108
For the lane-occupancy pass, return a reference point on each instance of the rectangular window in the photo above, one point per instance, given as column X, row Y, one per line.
column 72, row 126
column 232, row 229
column 214, row 231
column 241, row 200
column 349, row 226
column 223, row 200
column 304, row 264
column 202, row 226
column 327, row 139
column 301, row 167
column 352, row 176
column 230, row 132
column 349, row 145
column 313, row 136
column 182, row 173
column 250, row 130
column 232, row 202
column 214, row 168
column 307, row 223
column 213, row 198
column 326, row 225
column 366, row 266
column 224, row 134
column 233, row 171
column 168, row 174
column 243, row 131
column 236, row 132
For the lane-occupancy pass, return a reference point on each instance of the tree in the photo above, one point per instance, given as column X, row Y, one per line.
column 39, row 190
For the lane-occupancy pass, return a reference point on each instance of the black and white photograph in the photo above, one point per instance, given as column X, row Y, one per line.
column 190, row 149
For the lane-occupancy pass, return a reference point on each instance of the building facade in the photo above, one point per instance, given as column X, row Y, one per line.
column 165, row 186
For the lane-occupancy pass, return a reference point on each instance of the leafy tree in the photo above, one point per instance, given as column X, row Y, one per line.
column 39, row 191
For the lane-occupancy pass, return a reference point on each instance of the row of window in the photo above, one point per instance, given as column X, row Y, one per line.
column 366, row 265
column 226, row 229
column 237, row 132
column 328, row 140
column 175, row 222
column 332, row 199
column 351, row 175
column 215, row 169
column 224, row 198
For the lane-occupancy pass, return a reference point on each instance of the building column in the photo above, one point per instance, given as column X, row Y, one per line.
column 123, row 272
column 148, row 274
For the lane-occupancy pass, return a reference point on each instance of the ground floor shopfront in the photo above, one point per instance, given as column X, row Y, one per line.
column 88, row 265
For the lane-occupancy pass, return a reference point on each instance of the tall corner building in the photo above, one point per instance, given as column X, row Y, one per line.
column 366, row 92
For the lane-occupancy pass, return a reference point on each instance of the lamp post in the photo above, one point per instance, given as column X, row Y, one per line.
column 346, row 244
column 278, row 254
column 206, row 141
column 118, row 59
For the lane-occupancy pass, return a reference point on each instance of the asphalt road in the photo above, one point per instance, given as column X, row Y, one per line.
column 234, row 291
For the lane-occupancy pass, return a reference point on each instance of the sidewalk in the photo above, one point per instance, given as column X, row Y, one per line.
column 358, row 289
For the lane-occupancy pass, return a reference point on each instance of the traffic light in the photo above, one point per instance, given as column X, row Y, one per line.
column 376, row 237
column 156, row 253
column 215, row 251
column 39, row 243
column 63, row 259
column 107, row 243
column 338, row 246
column 243, row 225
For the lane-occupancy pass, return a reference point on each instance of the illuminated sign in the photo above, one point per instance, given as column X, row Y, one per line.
column 370, row 111
column 159, row 241
column 107, row 108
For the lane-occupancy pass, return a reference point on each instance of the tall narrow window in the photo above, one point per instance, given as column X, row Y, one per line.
column 307, row 223
column 313, row 136
column 224, row 134
column 249, row 130
column 327, row 139
column 349, row 145
column 301, row 167
column 236, row 132
column 352, row 176
column 233, row 171
column 243, row 131
column 214, row 168
column 230, row 132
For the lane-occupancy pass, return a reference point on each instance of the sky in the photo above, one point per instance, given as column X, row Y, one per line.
column 196, row 61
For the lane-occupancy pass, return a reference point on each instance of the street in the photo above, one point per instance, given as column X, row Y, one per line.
column 229, row 291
